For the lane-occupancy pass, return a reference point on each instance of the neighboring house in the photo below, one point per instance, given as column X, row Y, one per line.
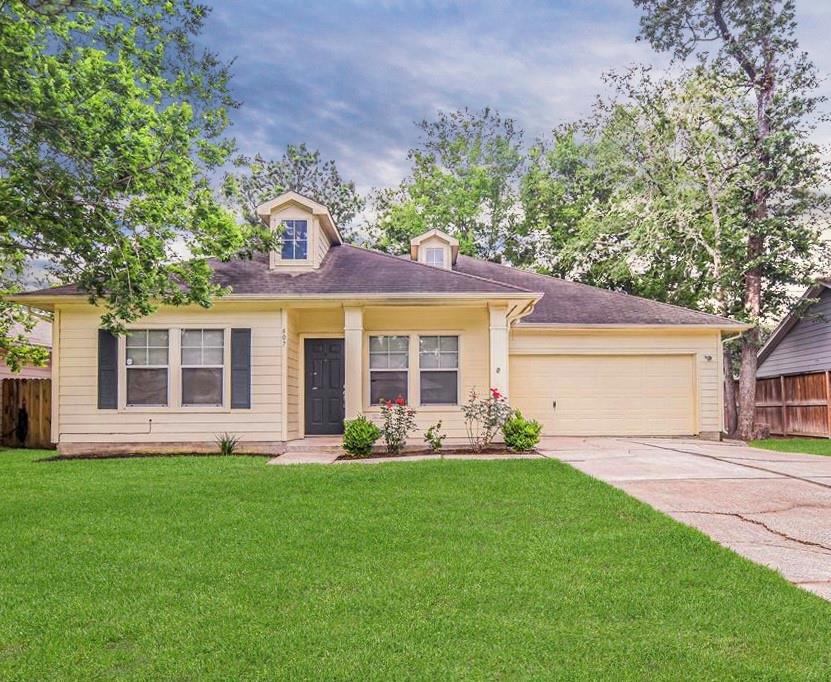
column 793, row 391
column 40, row 335
column 320, row 331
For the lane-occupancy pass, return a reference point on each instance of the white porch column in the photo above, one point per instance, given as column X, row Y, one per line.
column 499, row 348
column 353, row 334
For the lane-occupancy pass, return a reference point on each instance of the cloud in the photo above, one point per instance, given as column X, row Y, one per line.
column 351, row 78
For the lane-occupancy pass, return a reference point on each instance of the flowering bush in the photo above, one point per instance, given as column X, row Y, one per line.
column 484, row 417
column 398, row 422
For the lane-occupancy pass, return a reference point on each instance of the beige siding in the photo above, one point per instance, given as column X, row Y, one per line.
column 294, row 376
column 470, row 324
column 81, row 420
column 635, row 382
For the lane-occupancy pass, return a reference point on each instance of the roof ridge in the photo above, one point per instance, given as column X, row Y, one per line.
column 433, row 268
column 605, row 291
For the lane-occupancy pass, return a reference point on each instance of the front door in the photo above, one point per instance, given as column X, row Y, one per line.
column 324, row 386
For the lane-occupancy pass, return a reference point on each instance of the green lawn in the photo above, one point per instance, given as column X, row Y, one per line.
column 226, row 568
column 811, row 446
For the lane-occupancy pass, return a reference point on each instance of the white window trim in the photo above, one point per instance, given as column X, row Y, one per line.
column 405, row 370
column 165, row 367
column 174, row 374
column 414, row 373
column 308, row 240
column 428, row 250
column 183, row 366
column 456, row 369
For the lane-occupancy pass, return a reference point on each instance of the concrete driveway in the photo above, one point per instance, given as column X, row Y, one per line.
column 773, row 508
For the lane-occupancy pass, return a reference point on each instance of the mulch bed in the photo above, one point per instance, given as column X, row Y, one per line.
column 443, row 453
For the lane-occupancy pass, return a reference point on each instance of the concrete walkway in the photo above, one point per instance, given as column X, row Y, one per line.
column 773, row 508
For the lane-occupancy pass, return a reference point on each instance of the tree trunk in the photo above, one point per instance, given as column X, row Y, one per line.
column 731, row 415
column 750, row 342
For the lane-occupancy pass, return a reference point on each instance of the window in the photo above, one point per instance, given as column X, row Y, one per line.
column 147, row 364
column 434, row 256
column 438, row 359
column 203, row 361
column 295, row 239
column 388, row 363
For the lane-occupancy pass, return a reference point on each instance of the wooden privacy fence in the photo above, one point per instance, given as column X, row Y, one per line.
column 36, row 395
column 798, row 405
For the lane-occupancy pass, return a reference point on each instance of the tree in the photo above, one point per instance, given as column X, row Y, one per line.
column 752, row 42
column 110, row 123
column 300, row 169
column 464, row 181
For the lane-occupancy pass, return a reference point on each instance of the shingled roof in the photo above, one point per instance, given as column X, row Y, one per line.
column 350, row 270
column 565, row 302
column 345, row 270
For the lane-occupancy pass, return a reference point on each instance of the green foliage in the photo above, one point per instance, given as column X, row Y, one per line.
column 300, row 169
column 228, row 443
column 111, row 122
column 359, row 435
column 521, row 434
column 463, row 181
column 434, row 437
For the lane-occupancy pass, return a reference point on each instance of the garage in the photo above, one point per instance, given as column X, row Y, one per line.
column 606, row 394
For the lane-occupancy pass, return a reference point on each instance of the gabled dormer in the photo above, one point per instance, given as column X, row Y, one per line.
column 435, row 248
column 307, row 231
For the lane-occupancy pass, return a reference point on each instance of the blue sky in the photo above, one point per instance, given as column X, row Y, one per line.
column 351, row 77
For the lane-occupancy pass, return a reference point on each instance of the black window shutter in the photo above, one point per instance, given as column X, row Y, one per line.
column 241, row 368
column 107, row 370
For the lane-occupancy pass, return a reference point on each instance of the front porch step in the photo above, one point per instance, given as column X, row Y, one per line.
column 322, row 445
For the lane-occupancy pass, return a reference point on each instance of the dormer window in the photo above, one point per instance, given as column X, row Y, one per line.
column 434, row 256
column 295, row 240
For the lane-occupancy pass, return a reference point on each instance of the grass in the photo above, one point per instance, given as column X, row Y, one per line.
column 810, row 446
column 226, row 568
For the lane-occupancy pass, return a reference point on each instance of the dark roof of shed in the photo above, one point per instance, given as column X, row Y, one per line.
column 566, row 302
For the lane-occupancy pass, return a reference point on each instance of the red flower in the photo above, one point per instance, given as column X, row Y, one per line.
column 495, row 394
column 400, row 401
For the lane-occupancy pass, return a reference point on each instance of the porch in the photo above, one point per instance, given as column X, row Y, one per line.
column 330, row 374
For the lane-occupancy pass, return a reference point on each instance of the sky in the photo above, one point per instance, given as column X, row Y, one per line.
column 351, row 77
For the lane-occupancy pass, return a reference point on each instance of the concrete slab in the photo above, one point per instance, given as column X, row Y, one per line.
column 305, row 458
column 772, row 508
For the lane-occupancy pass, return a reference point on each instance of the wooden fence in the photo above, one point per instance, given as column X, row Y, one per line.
column 36, row 395
column 798, row 405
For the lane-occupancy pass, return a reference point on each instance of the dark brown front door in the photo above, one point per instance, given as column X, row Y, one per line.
column 324, row 386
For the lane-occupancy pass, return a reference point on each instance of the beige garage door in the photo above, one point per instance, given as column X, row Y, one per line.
column 606, row 394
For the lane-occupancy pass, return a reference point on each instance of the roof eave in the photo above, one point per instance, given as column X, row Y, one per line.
column 736, row 327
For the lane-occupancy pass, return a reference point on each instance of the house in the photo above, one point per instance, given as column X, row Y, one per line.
column 793, row 387
column 25, row 394
column 320, row 331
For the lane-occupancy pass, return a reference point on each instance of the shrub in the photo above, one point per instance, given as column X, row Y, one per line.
column 521, row 433
column 434, row 437
column 359, row 435
column 228, row 443
column 399, row 422
column 484, row 417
